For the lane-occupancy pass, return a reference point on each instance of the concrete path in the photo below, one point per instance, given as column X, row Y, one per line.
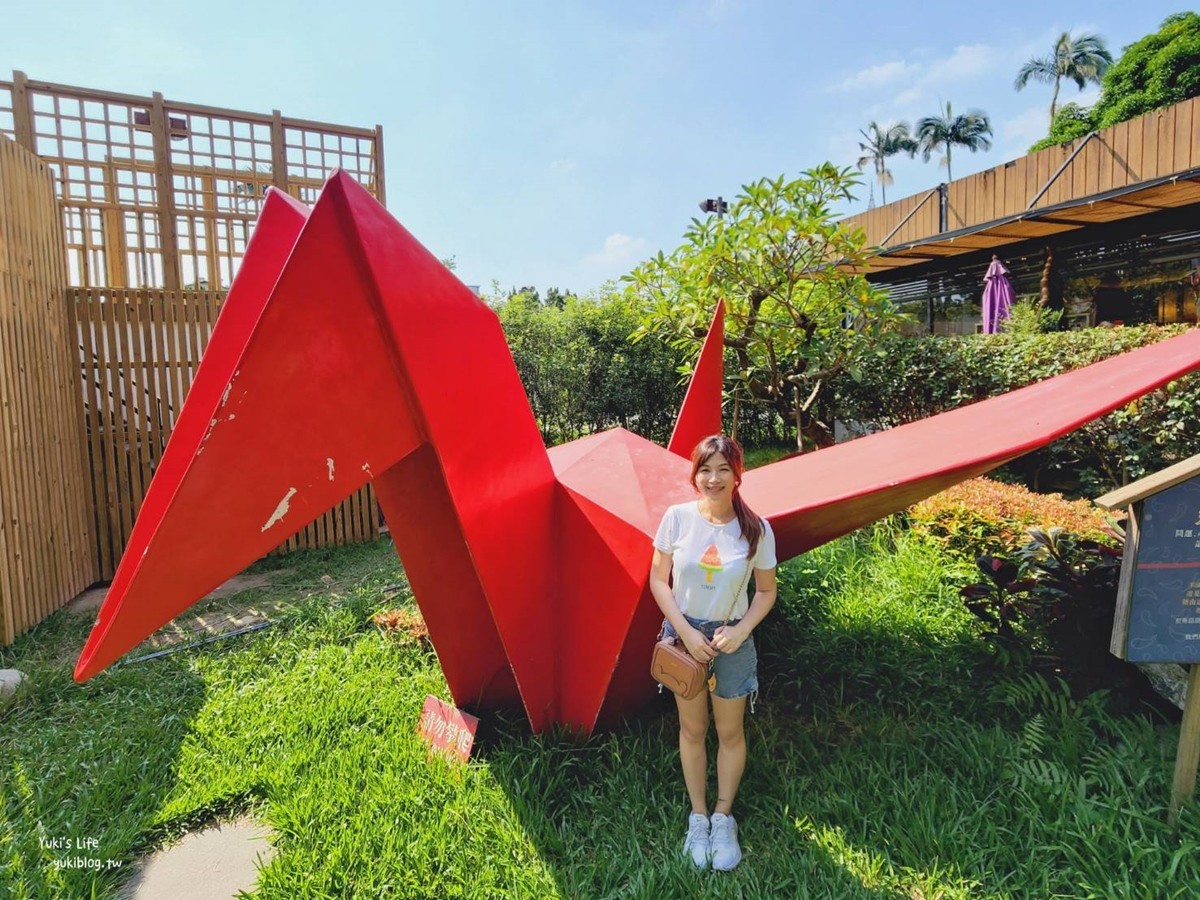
column 213, row 864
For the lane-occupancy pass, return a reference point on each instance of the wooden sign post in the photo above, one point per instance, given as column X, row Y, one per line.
column 1158, row 598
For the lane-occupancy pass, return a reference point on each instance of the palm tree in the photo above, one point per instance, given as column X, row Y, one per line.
column 971, row 130
column 1080, row 59
column 882, row 143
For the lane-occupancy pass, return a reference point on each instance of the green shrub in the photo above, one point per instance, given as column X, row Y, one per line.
column 1027, row 317
column 583, row 375
column 915, row 377
column 983, row 516
column 1051, row 602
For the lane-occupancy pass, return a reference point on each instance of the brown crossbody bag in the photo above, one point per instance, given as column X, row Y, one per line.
column 677, row 670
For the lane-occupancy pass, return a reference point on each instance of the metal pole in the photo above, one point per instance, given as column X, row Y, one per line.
column 1061, row 169
column 911, row 213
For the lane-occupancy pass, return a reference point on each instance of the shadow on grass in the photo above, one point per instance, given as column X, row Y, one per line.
column 869, row 803
column 889, row 757
column 84, row 766
column 882, row 764
column 608, row 818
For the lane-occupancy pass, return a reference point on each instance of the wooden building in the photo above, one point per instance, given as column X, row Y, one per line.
column 1115, row 209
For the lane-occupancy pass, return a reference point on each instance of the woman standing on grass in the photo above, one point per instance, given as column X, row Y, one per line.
column 703, row 553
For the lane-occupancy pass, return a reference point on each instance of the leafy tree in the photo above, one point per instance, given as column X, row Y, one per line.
column 1160, row 69
column 528, row 291
column 795, row 306
column 555, row 297
column 882, row 143
column 971, row 130
column 1082, row 59
column 580, row 370
column 1070, row 122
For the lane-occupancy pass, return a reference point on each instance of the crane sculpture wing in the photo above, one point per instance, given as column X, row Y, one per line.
column 346, row 353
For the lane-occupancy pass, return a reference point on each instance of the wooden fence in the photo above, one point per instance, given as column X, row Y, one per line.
column 45, row 524
column 1158, row 144
column 147, row 204
column 138, row 351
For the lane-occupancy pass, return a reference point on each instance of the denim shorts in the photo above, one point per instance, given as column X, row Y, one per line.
column 737, row 672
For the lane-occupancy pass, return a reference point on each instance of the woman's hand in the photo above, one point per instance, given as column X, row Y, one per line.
column 728, row 638
column 697, row 645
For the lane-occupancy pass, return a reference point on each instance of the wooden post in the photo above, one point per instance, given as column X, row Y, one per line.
column 1183, row 788
column 380, row 187
column 1120, row 632
column 112, row 230
column 279, row 169
column 23, row 112
column 165, row 184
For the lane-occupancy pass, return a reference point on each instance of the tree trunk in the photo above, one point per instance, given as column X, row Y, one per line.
column 1047, row 270
column 799, row 420
column 1054, row 102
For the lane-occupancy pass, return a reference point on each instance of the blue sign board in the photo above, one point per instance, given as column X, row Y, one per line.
column 1164, row 615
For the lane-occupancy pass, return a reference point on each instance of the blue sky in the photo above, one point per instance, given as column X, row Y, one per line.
column 559, row 143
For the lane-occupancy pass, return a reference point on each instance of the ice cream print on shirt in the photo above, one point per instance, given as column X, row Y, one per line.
column 711, row 563
column 708, row 561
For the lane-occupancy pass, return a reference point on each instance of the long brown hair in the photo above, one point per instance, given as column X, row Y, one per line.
column 751, row 524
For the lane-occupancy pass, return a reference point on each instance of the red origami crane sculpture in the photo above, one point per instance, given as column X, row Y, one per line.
column 346, row 353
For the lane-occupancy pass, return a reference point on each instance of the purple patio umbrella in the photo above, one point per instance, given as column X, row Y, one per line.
column 997, row 296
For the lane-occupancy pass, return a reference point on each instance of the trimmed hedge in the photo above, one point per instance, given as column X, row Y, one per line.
column 915, row 377
column 982, row 516
column 583, row 375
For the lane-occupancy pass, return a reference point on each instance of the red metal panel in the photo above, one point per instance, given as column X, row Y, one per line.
column 437, row 562
column 614, row 494
column 347, row 352
column 813, row 498
column 700, row 414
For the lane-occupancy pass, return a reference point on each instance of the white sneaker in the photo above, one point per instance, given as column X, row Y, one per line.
column 696, row 844
column 726, row 853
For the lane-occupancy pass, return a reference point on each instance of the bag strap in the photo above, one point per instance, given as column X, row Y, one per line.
column 740, row 592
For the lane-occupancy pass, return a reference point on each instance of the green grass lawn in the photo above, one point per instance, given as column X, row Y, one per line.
column 889, row 757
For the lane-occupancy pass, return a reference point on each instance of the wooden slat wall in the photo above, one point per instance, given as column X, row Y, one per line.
column 45, row 526
column 138, row 352
column 879, row 222
column 1157, row 144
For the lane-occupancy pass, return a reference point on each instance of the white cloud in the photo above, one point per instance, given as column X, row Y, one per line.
column 562, row 165
column 922, row 78
column 877, row 76
column 967, row 61
column 1089, row 96
column 619, row 250
column 1018, row 132
column 716, row 10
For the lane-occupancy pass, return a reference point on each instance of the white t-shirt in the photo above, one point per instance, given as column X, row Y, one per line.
column 708, row 562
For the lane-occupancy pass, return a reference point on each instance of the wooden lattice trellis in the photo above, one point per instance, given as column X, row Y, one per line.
column 158, row 199
column 162, row 194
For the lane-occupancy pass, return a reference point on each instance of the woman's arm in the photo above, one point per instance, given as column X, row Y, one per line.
column 660, row 588
column 729, row 637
